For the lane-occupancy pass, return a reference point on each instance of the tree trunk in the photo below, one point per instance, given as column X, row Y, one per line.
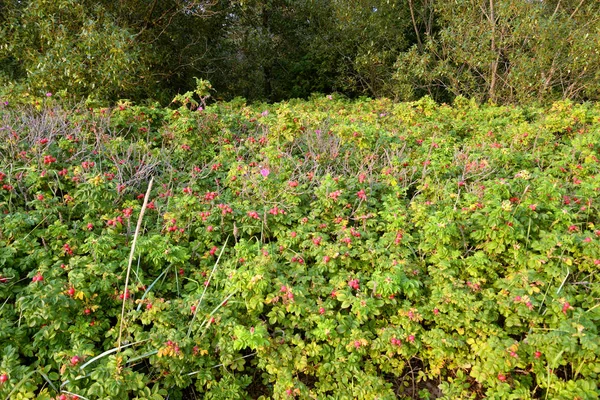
column 494, row 64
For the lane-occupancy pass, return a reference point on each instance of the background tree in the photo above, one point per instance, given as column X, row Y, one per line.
column 72, row 46
column 504, row 51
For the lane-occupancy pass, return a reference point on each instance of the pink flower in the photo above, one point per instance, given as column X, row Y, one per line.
column 265, row 172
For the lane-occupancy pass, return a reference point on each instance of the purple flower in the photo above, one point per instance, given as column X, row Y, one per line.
column 318, row 132
column 265, row 172
column 265, row 113
column 48, row 94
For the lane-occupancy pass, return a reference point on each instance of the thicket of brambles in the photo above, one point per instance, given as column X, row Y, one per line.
column 307, row 249
column 299, row 199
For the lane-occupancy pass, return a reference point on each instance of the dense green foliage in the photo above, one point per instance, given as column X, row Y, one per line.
column 504, row 51
column 320, row 249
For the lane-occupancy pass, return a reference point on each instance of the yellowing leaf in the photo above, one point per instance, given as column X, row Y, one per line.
column 568, row 261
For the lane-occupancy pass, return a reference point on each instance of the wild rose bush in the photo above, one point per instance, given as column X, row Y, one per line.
column 308, row 249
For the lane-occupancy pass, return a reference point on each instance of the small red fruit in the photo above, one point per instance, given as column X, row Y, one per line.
column 502, row 377
column 75, row 360
column 63, row 397
column 3, row 378
column 573, row 228
column 71, row 291
column 537, row 354
column 321, row 311
column 87, row 311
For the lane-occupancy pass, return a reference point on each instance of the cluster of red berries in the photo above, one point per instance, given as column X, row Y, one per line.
column 225, row 209
column 354, row 284
column 67, row 248
column 398, row 238
column 253, row 214
column 334, row 195
column 208, row 196
column 276, row 211
column 49, row 160
column 174, row 346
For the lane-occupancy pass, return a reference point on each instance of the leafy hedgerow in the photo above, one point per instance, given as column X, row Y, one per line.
column 318, row 249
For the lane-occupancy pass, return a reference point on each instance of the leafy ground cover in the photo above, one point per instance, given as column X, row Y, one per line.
column 314, row 249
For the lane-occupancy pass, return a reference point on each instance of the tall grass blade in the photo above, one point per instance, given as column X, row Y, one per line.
column 135, row 236
column 206, row 287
